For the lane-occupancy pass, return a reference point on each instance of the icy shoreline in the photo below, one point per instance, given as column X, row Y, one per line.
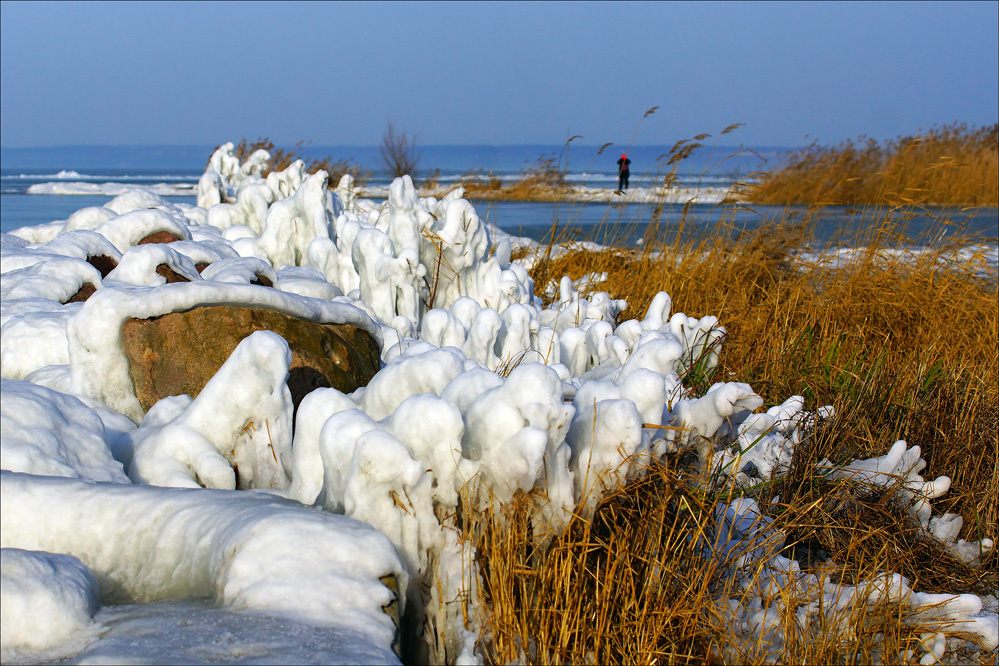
column 484, row 392
column 574, row 193
column 111, row 189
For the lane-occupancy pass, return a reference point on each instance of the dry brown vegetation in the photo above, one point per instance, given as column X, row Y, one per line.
column 947, row 166
column 545, row 181
column 904, row 348
column 398, row 151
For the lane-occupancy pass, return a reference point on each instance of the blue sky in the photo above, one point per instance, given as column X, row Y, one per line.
column 508, row 73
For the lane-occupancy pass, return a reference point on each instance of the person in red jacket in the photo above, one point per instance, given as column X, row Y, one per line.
column 623, row 173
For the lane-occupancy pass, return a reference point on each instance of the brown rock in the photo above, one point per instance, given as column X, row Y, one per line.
column 170, row 274
column 178, row 353
column 86, row 291
column 102, row 263
column 159, row 237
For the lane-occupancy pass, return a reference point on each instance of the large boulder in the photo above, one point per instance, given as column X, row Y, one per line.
column 179, row 352
column 130, row 346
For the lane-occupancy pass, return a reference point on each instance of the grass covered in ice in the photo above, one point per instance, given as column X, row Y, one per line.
column 905, row 346
column 550, row 480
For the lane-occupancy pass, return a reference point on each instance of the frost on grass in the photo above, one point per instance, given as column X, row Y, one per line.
column 486, row 392
column 766, row 586
column 902, row 465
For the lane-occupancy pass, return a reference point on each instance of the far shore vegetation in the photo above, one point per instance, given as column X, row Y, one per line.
column 953, row 165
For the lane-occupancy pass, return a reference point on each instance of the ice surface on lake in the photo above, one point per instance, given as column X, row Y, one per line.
column 485, row 392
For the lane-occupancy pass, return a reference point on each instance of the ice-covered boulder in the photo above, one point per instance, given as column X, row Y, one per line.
column 129, row 347
column 151, row 265
column 142, row 226
column 59, row 278
column 177, row 353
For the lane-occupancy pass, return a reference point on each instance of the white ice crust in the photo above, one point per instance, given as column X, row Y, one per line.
column 53, row 434
column 246, row 551
column 46, row 599
column 485, row 392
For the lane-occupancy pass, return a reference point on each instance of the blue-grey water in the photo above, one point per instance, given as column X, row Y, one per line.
column 616, row 223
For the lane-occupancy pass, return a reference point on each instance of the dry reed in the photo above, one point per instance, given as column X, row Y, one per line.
column 904, row 347
column 951, row 165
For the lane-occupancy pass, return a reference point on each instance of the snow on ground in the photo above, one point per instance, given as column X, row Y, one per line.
column 128, row 522
column 109, row 189
column 984, row 258
column 589, row 194
column 672, row 195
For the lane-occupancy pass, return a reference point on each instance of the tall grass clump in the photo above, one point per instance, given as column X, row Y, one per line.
column 903, row 343
column 953, row 165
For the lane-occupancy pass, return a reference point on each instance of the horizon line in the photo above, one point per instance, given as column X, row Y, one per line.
column 359, row 145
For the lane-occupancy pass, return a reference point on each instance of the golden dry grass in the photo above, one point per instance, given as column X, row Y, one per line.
column 545, row 181
column 904, row 348
column 632, row 585
column 948, row 166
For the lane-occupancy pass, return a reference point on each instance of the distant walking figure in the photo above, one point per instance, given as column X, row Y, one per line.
column 623, row 172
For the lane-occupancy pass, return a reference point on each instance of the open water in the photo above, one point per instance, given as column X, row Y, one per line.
column 179, row 167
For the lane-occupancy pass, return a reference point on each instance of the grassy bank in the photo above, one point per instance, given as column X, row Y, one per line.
column 952, row 165
column 904, row 348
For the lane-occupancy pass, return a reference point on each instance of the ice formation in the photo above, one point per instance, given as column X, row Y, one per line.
column 49, row 433
column 248, row 551
column 767, row 581
column 485, row 392
column 45, row 598
column 902, row 465
column 231, row 425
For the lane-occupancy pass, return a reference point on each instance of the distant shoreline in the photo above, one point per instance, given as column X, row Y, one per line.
column 470, row 158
